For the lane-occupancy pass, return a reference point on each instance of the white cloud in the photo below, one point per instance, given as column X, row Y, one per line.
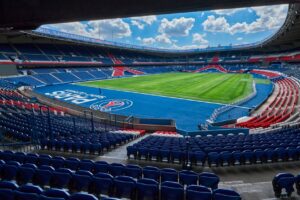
column 228, row 11
column 140, row 22
column 199, row 38
column 159, row 39
column 192, row 46
column 268, row 18
column 137, row 24
column 239, row 38
column 163, row 39
column 103, row 29
column 146, row 19
column 176, row 27
column 148, row 41
column 213, row 24
column 74, row 27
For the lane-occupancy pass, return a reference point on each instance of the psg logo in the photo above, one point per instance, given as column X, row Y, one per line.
column 112, row 105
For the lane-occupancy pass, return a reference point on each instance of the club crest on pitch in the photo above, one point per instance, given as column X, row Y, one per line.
column 112, row 105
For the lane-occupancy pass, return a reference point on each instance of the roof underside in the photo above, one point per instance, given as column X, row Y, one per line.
column 25, row 14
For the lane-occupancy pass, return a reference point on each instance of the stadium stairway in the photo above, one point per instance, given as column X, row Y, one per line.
column 120, row 154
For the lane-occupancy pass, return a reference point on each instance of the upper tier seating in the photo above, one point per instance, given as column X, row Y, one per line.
column 66, row 77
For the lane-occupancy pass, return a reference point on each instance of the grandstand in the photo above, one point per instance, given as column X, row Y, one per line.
column 87, row 119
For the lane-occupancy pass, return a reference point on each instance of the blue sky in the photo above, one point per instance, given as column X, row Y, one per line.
column 186, row 30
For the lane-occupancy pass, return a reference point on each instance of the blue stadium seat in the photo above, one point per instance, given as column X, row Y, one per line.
column 151, row 172
column 188, row 177
column 213, row 158
column 131, row 150
column 134, row 171
column 83, row 196
column 196, row 192
column 169, row 174
column 32, row 158
column 101, row 166
column 25, row 174
column 154, row 154
column 281, row 154
column 209, row 180
column 30, row 189
column 86, row 165
column 199, row 157
column 177, row 156
column 42, row 177
column 125, row 187
column 25, row 196
column 60, row 179
column 283, row 181
column 270, row 155
column 147, row 189
column 222, row 194
column 292, row 153
column 58, row 193
column 19, row 157
column 42, row 197
column 7, row 194
column 116, row 169
column 9, row 172
column 165, row 155
column 226, row 157
column 143, row 153
column 8, row 185
column 237, row 158
column 44, row 159
column 259, row 156
column 58, row 162
column 248, row 157
column 81, row 180
column 6, row 155
column 171, row 191
column 297, row 183
column 46, row 167
column 72, row 163
column 102, row 183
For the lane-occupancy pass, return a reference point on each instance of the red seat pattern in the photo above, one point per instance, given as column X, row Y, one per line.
column 217, row 67
column 120, row 70
column 269, row 74
column 280, row 109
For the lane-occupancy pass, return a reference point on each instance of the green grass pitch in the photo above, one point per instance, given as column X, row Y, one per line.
column 211, row 87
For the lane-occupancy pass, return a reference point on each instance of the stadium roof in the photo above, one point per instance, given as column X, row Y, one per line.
column 25, row 14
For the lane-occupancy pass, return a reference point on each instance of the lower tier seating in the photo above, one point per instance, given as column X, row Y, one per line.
column 68, row 176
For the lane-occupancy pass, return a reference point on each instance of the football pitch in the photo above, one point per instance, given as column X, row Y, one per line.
column 210, row 87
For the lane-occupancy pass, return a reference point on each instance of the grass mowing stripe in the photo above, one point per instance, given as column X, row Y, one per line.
column 213, row 87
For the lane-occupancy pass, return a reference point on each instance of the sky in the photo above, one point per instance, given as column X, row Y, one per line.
column 193, row 30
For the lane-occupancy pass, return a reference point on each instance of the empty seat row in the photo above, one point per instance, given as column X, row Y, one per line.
column 185, row 177
column 11, row 191
column 283, row 145
column 143, row 189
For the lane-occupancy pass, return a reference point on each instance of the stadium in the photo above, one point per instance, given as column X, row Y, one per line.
column 88, row 118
